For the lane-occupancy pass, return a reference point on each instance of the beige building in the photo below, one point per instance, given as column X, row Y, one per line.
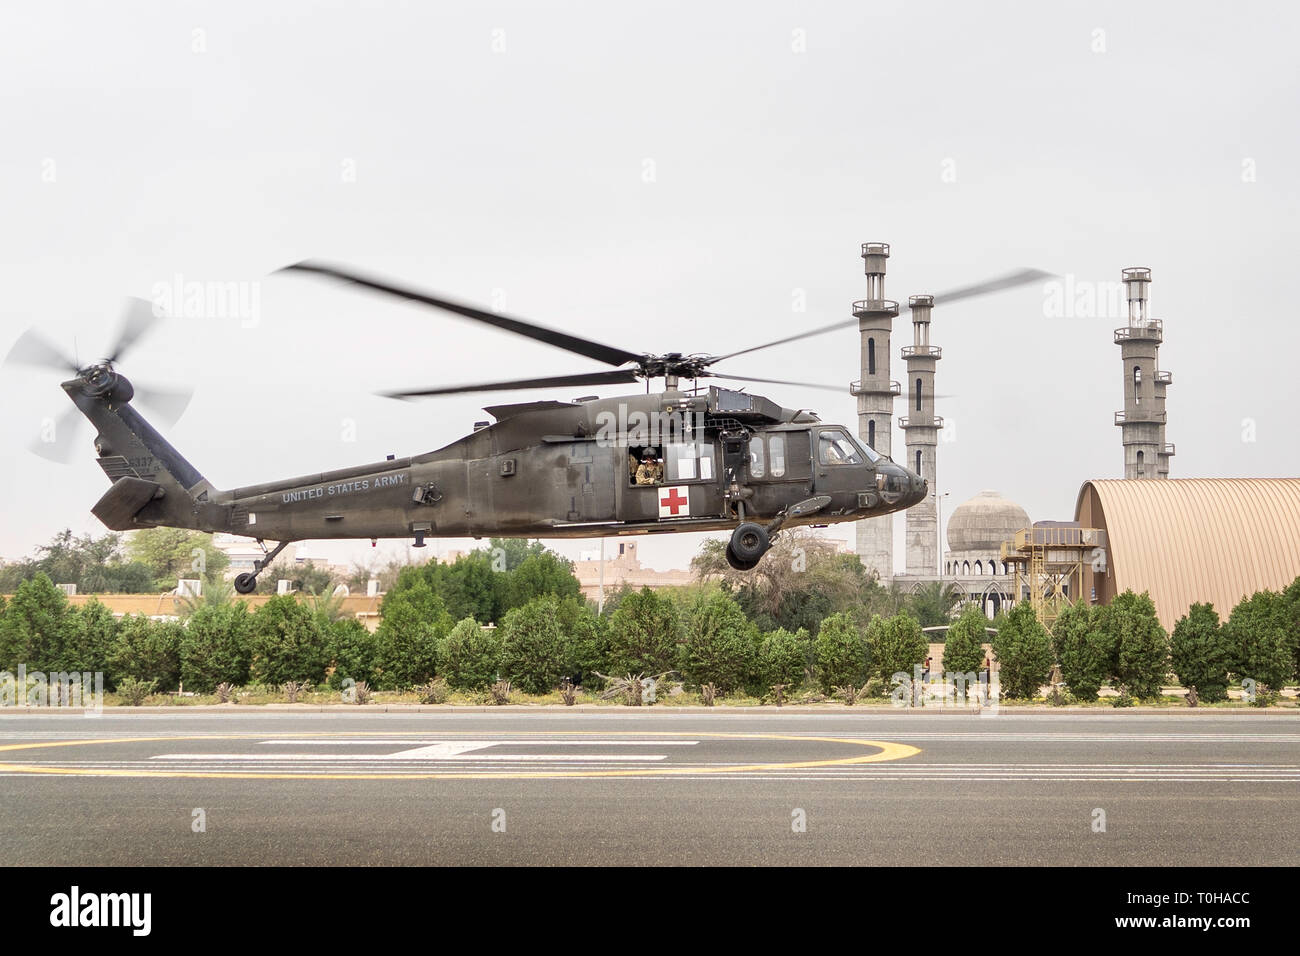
column 622, row 566
column 1190, row 540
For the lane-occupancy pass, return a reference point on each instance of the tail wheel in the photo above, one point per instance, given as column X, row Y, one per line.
column 246, row 583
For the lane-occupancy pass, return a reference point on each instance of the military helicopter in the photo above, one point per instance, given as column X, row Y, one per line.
column 697, row 459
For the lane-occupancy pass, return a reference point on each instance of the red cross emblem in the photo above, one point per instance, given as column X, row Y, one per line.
column 674, row 502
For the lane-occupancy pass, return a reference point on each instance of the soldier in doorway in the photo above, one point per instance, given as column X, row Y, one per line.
column 651, row 471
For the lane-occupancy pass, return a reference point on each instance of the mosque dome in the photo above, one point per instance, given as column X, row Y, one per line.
column 984, row 522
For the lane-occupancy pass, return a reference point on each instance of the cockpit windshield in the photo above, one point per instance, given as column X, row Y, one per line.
column 871, row 453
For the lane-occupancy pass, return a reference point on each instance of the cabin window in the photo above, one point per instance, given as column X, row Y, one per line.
column 834, row 448
column 756, row 458
column 776, row 454
column 689, row 461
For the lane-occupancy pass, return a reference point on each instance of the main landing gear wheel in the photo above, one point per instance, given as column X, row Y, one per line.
column 749, row 542
column 246, row 583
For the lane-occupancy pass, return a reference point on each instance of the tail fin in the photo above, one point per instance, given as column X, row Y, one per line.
column 153, row 484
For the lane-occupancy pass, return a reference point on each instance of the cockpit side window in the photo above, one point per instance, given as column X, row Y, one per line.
column 834, row 448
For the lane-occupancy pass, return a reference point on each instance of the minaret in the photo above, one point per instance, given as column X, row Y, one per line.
column 875, row 393
column 921, row 428
column 1146, row 455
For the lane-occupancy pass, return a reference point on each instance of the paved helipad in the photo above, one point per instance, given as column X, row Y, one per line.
column 352, row 787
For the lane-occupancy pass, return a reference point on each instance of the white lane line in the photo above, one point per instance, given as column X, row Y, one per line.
column 413, row 755
column 483, row 742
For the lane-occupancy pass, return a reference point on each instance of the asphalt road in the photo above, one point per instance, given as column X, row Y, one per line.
column 639, row 788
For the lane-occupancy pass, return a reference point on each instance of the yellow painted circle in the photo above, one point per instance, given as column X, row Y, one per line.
column 885, row 751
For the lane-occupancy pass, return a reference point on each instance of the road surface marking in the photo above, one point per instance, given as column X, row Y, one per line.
column 884, row 750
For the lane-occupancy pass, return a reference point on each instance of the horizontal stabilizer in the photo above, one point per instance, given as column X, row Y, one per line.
column 123, row 501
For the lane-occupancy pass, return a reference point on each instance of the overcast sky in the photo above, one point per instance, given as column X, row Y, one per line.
column 667, row 176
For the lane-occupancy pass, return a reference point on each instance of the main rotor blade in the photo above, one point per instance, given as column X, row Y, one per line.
column 32, row 349
column 58, row 439
column 777, row 381
column 616, row 377
column 1009, row 281
column 169, row 403
column 137, row 321
column 570, row 343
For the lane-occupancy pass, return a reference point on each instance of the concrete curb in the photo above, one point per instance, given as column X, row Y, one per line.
column 766, row 709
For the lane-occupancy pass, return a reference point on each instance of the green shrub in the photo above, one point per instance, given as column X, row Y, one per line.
column 415, row 621
column 435, row 691
column 843, row 656
column 532, row 646
column 1131, row 626
column 216, row 646
column 1258, row 645
column 643, row 634
column 35, row 626
column 720, row 646
column 1199, row 653
column 288, row 644
column 540, row 575
column 1083, row 649
column 897, row 645
column 1023, row 651
column 146, row 650
column 963, row 651
column 470, row 655
column 134, row 692
column 782, row 658
column 585, row 644
column 92, row 632
column 352, row 650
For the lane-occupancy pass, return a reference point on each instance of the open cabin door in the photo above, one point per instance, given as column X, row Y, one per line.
column 690, row 487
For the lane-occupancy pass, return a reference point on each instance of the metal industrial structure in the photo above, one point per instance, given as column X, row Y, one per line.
column 1142, row 422
column 1049, row 560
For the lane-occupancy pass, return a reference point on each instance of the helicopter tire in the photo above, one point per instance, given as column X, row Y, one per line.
column 749, row 542
column 738, row 564
column 245, row 583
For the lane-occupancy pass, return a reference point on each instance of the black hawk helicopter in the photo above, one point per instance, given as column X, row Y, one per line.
column 712, row 459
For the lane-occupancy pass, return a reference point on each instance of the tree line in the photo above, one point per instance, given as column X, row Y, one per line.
column 813, row 618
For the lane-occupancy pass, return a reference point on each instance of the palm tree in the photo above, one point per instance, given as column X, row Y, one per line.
column 328, row 605
column 932, row 603
column 214, row 594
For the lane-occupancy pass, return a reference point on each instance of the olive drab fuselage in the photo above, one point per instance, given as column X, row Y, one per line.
column 542, row 469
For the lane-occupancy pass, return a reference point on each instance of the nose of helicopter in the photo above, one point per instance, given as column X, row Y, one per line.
column 899, row 486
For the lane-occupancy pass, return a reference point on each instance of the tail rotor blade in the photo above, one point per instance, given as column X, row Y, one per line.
column 168, row 403
column 33, row 349
column 137, row 321
column 58, row 439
